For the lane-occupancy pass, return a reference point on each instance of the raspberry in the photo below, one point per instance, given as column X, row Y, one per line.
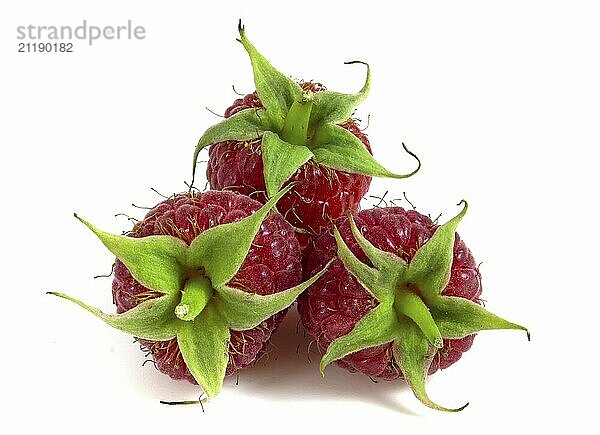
column 272, row 265
column 332, row 306
column 203, row 281
column 322, row 195
column 288, row 133
column 400, row 299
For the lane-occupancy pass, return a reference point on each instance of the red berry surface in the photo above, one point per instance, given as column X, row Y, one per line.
column 322, row 196
column 273, row 264
column 331, row 306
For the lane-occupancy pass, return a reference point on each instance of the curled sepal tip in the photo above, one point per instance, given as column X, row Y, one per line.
column 335, row 107
column 150, row 320
column 414, row 354
column 337, row 148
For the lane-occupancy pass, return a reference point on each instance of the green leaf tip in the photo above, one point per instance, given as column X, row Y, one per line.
column 337, row 148
column 411, row 313
column 201, row 401
column 352, row 62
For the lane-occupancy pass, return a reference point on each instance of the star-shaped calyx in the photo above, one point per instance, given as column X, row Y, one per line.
column 196, row 306
column 297, row 126
column 411, row 313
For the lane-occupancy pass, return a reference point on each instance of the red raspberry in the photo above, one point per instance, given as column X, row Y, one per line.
column 322, row 196
column 272, row 265
column 331, row 307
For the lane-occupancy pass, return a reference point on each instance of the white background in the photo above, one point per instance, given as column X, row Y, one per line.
column 501, row 100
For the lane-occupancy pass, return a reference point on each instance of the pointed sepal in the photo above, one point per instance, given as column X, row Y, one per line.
column 431, row 265
column 374, row 282
column 414, row 354
column 377, row 327
column 388, row 263
column 458, row 317
column 151, row 320
column 154, row 261
column 276, row 92
column 337, row 148
column 221, row 250
column 335, row 107
column 204, row 346
column 243, row 310
column 245, row 125
column 281, row 160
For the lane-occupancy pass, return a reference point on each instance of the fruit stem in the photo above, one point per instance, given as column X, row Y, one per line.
column 408, row 303
column 295, row 126
column 195, row 296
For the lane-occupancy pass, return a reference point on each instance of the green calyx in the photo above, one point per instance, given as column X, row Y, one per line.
column 196, row 306
column 412, row 313
column 297, row 126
